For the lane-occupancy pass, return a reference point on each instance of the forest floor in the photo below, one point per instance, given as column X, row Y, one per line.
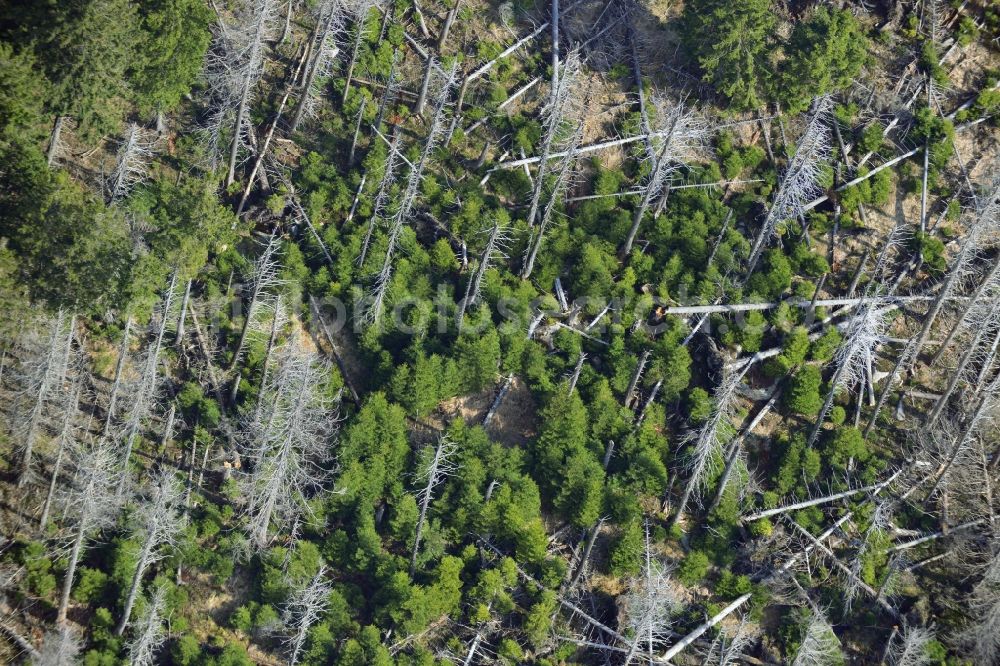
column 514, row 423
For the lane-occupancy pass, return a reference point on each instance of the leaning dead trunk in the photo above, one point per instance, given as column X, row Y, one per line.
column 116, row 384
column 52, row 370
column 50, row 155
column 65, row 440
column 160, row 521
column 74, row 558
column 439, row 468
column 819, row 500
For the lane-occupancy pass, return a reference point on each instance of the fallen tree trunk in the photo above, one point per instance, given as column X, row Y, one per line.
column 840, row 565
column 906, row 545
column 703, row 627
column 819, row 500
column 333, row 351
column 797, row 303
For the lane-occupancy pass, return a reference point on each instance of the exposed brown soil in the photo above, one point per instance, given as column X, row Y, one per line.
column 515, row 422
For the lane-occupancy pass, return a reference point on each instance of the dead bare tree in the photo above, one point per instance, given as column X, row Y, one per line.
column 983, row 322
column 117, row 381
column 497, row 243
column 303, row 610
column 157, row 522
column 382, row 198
column 264, row 280
column 278, row 320
column 235, row 66
column 981, row 638
column 147, row 391
column 287, row 443
column 359, row 11
column 329, row 30
column 90, row 504
column 131, row 164
column 966, row 320
column 649, row 607
column 259, row 168
column 65, row 444
column 982, row 226
column 890, row 381
column 391, row 91
column 404, row 209
column 150, row 632
column 863, row 333
column 708, row 444
column 679, row 136
column 800, row 180
column 820, row 646
column 439, row 466
column 909, row 648
column 877, row 530
column 43, row 370
column 728, row 647
column 954, row 440
column 736, row 471
column 60, row 647
column 562, row 106
column 855, row 358
column 562, row 181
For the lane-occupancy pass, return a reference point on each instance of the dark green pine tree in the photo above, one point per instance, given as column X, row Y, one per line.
column 175, row 37
column 823, row 55
column 731, row 41
column 87, row 48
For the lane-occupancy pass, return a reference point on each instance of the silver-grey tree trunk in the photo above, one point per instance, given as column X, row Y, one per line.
column 116, row 383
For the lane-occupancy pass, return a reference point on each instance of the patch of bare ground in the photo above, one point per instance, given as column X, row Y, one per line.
column 966, row 69
column 978, row 150
column 470, row 408
column 514, row 423
column 338, row 342
column 216, row 605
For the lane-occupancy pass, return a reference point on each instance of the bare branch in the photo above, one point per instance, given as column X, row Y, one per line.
column 150, row 631
column 287, row 443
column 303, row 610
column 800, row 180
column 439, row 467
column 157, row 522
column 132, row 163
